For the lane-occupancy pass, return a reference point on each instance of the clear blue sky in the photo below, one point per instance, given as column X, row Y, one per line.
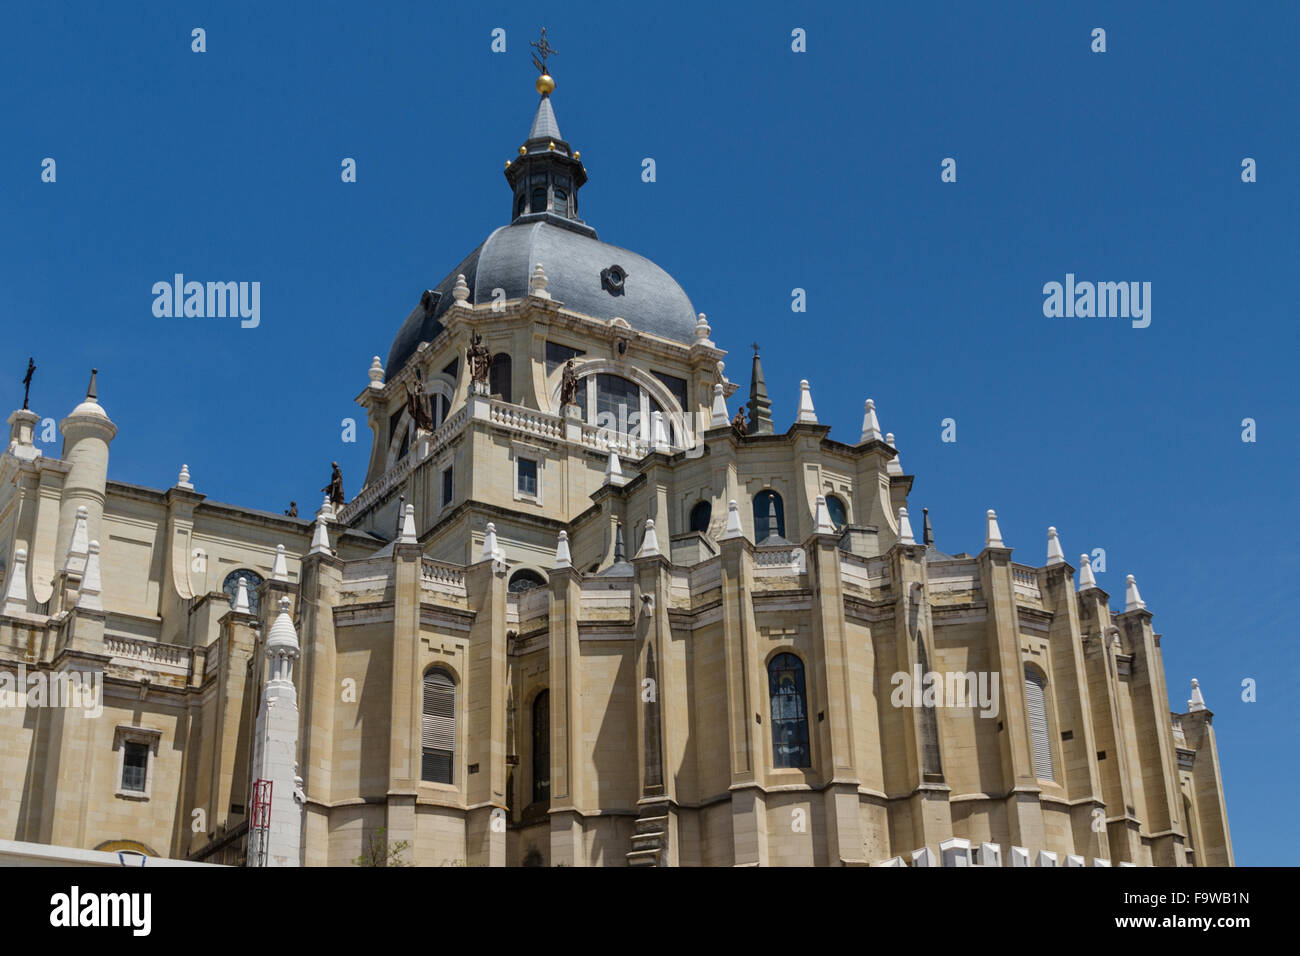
column 775, row 170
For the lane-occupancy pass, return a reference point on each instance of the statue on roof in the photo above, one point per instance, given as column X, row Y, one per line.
column 738, row 423
column 27, row 381
column 479, row 360
column 419, row 404
column 568, row 384
column 335, row 488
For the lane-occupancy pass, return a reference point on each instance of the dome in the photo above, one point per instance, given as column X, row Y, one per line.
column 580, row 272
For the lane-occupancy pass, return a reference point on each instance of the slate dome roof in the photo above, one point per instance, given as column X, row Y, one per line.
column 583, row 273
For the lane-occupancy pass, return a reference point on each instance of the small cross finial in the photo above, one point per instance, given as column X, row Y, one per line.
column 754, row 346
column 544, row 49
column 27, row 381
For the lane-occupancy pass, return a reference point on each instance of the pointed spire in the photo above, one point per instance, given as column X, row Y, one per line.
column 491, row 550
column 992, row 533
column 1086, row 579
column 545, row 125
column 733, row 528
column 760, row 408
column 650, row 543
column 562, row 557
column 241, row 597
column 320, row 541
column 16, row 584
column 408, row 535
column 614, row 469
column 807, row 415
column 78, row 547
column 904, row 528
column 927, row 533
column 895, row 465
column 1054, row 553
column 91, row 584
column 720, row 417
column 326, row 509
column 870, row 425
column 619, row 556
column 183, row 479
column 279, row 567
column 282, row 643
column 92, row 390
column 1132, row 600
column 538, row 282
column 822, row 517
column 1197, row 701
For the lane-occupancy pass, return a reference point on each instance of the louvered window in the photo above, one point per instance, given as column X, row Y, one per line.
column 438, row 727
column 1036, row 702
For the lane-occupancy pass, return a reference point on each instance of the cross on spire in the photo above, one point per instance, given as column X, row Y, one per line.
column 544, row 49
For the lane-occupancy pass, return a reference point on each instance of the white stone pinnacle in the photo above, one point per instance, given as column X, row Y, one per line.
column 183, row 479
column 992, row 533
column 376, row 373
column 904, row 528
column 702, row 332
column 650, row 543
column 1054, row 553
column 614, row 469
column 279, row 567
column 408, row 535
column 537, row 282
column 1197, row 701
column 895, row 466
column 241, row 597
column 1132, row 600
column 1086, row 579
column 870, row 426
column 16, row 584
column 91, row 585
column 720, row 418
column 562, row 557
column 326, row 509
column 658, row 432
column 822, row 517
column 807, row 414
column 320, row 541
column 490, row 548
column 733, row 528
column 460, row 291
column 75, row 562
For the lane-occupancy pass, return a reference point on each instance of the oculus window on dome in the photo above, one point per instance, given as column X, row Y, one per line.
column 612, row 279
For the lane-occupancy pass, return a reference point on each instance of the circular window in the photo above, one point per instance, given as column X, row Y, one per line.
column 612, row 279
column 835, row 508
column 252, row 580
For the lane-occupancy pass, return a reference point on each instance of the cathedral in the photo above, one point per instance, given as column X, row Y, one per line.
column 587, row 608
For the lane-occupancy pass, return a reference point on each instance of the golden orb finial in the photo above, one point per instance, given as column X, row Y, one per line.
column 545, row 84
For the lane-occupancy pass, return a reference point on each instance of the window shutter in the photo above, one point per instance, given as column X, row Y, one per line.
column 1036, row 701
column 438, row 727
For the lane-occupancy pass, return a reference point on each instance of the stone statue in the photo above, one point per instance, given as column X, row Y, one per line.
column 738, row 423
column 27, row 382
column 419, row 404
column 568, row 384
column 335, row 488
column 292, row 510
column 479, row 360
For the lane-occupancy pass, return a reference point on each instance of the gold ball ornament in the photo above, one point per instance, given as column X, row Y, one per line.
column 523, row 150
column 545, row 85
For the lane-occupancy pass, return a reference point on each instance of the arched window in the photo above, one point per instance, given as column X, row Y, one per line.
column 839, row 514
column 539, row 200
column 700, row 515
column 768, row 505
column 252, row 580
column 499, row 377
column 561, row 201
column 438, row 726
column 622, row 407
column 542, row 747
column 789, row 712
column 525, row 579
column 519, row 205
column 1036, row 704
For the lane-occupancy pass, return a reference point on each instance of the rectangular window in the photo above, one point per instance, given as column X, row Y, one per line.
column 447, row 487
column 135, row 764
column 528, row 477
column 557, row 355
